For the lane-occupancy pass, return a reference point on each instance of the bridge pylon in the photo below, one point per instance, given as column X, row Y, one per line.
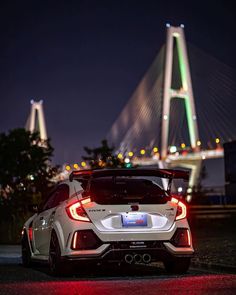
column 176, row 34
column 37, row 113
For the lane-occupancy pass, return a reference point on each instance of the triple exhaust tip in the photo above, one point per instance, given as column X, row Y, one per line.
column 138, row 258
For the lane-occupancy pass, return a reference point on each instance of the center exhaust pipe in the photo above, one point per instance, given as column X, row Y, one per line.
column 147, row 258
column 138, row 258
column 129, row 258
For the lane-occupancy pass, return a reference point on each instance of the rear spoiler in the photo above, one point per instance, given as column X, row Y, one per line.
column 163, row 173
column 80, row 174
column 177, row 174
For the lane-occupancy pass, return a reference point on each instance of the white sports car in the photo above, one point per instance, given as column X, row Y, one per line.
column 110, row 215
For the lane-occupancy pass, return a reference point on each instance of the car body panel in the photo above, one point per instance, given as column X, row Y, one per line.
column 106, row 224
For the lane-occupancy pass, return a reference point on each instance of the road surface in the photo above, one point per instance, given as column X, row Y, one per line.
column 134, row 280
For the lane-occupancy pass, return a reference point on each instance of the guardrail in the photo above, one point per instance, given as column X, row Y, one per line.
column 212, row 211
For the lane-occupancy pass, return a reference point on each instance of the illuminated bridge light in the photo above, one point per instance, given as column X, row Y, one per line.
column 120, row 156
column 183, row 145
column 198, row 143
column 68, row 167
column 130, row 154
column 76, row 166
column 127, row 160
column 165, row 117
column 189, row 190
column 155, row 149
column 217, row 140
column 173, row 149
column 142, row 151
column 83, row 164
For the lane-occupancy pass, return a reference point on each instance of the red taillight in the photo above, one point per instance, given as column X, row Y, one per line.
column 181, row 209
column 189, row 238
column 30, row 232
column 75, row 240
column 76, row 210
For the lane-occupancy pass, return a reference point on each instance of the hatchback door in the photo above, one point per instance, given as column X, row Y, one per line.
column 129, row 204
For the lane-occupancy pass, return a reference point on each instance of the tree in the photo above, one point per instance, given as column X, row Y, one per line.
column 102, row 157
column 26, row 173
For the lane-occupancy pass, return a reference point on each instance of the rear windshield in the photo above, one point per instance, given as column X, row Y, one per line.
column 127, row 190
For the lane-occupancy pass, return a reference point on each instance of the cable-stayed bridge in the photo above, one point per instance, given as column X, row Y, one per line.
column 180, row 114
column 36, row 119
column 182, row 110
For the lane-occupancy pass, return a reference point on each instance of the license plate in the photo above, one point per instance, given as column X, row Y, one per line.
column 134, row 219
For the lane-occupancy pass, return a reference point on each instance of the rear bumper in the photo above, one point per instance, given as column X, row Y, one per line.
column 116, row 251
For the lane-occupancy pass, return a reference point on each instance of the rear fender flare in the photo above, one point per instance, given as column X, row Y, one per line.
column 60, row 235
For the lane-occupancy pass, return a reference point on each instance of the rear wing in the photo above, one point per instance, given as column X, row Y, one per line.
column 177, row 174
column 162, row 173
column 80, row 174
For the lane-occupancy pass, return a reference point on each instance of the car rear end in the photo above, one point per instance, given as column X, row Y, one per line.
column 126, row 215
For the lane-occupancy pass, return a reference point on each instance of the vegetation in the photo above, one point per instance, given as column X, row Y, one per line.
column 103, row 157
column 26, row 175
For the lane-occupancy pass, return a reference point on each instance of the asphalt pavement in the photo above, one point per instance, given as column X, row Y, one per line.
column 213, row 270
column 109, row 279
column 137, row 280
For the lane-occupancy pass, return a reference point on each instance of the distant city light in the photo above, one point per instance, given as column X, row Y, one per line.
column 83, row 164
column 183, row 145
column 165, row 117
column 155, row 149
column 189, row 198
column 180, row 189
column 173, row 149
column 130, row 154
column 120, row 156
column 167, row 25
column 76, row 166
column 182, row 26
column 68, row 167
column 217, row 140
column 100, row 163
column 142, row 151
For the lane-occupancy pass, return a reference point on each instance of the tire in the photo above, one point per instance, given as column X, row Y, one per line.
column 25, row 251
column 179, row 265
column 56, row 265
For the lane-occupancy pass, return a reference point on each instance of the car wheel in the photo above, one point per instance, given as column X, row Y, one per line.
column 57, row 268
column 25, row 251
column 178, row 265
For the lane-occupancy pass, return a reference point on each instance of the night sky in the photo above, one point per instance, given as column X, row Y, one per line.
column 85, row 58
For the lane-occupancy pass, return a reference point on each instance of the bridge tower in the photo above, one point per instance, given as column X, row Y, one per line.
column 176, row 35
column 37, row 113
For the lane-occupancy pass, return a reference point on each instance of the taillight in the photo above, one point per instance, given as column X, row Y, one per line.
column 76, row 211
column 181, row 209
column 85, row 240
column 181, row 238
column 30, row 232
